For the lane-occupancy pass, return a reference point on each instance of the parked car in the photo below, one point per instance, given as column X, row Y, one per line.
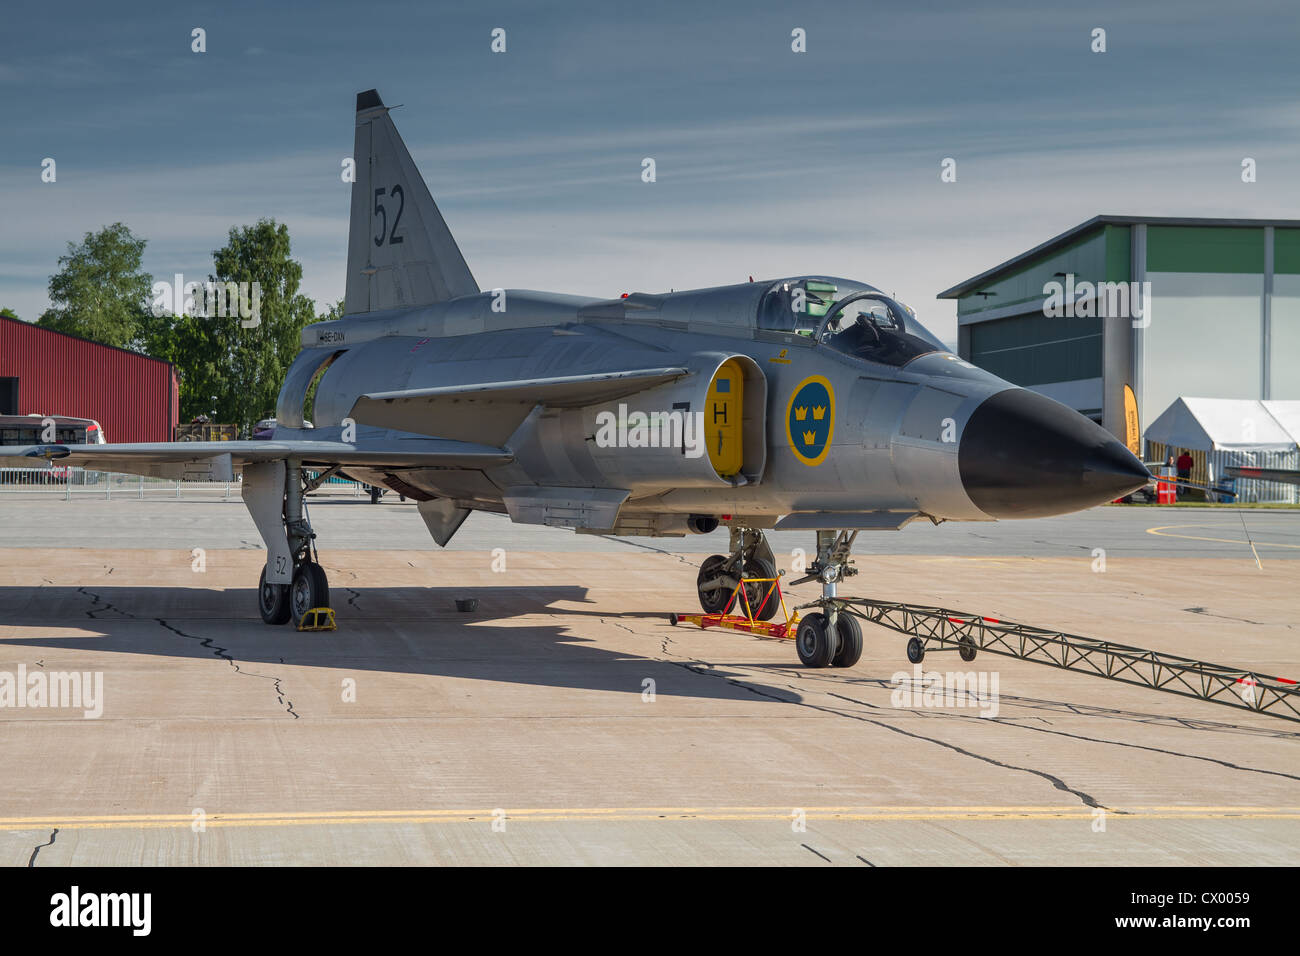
column 265, row 429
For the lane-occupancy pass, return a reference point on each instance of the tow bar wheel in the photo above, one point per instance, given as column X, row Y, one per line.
column 915, row 650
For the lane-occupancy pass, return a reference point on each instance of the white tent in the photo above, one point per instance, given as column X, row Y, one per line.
column 1232, row 431
column 1228, row 424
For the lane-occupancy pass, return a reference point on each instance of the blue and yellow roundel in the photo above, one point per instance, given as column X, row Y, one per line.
column 810, row 419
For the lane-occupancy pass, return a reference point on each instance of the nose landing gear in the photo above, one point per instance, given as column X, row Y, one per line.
column 830, row 636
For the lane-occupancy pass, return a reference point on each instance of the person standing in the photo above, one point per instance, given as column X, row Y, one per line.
column 1184, row 470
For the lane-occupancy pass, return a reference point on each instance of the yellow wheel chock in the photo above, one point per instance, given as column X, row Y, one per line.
column 318, row 619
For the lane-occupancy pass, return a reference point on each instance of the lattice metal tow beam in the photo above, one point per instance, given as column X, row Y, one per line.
column 968, row 633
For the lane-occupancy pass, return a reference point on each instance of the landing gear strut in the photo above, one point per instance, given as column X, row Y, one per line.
column 751, row 557
column 831, row 636
column 292, row 582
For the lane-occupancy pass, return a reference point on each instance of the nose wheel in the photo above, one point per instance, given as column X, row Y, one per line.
column 820, row 645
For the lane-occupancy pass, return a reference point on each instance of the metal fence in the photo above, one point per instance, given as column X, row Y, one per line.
column 69, row 483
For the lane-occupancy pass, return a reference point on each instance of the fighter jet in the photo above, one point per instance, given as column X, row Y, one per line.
column 812, row 403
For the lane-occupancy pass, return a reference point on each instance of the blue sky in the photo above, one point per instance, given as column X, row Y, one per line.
column 769, row 162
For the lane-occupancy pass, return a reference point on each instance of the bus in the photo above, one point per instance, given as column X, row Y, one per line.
column 33, row 430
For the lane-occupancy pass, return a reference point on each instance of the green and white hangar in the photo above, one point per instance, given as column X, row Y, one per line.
column 1122, row 316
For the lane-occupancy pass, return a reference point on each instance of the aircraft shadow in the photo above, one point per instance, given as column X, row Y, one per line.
column 513, row 636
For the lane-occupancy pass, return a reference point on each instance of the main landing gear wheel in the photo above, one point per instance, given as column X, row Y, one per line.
column 273, row 601
column 814, row 642
column 850, row 640
column 715, row 599
column 966, row 648
column 915, row 650
column 760, row 568
column 309, row 589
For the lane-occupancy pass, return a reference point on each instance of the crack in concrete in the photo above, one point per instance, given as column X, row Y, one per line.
column 352, row 601
column 1104, row 713
column 1223, row 617
column 649, row 547
column 224, row 654
column 1096, row 740
column 32, row 860
column 811, row 850
column 99, row 605
column 617, row 624
column 1087, row 799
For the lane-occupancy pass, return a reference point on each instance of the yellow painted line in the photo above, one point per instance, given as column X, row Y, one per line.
column 1160, row 531
column 633, row 814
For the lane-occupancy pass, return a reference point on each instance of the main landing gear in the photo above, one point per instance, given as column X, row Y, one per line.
column 292, row 582
column 827, row 637
column 281, row 603
column 750, row 557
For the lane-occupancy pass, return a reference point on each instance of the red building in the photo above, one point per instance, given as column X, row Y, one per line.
column 132, row 396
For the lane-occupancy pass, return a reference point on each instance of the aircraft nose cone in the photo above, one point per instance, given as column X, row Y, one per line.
column 1023, row 455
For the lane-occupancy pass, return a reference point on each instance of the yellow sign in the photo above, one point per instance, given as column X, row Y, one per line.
column 723, row 428
column 1132, row 438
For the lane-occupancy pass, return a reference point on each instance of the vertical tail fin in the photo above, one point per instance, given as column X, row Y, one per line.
column 400, row 251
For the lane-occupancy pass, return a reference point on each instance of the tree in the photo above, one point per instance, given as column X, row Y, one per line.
column 101, row 292
column 9, row 314
column 252, row 355
column 335, row 311
column 191, row 343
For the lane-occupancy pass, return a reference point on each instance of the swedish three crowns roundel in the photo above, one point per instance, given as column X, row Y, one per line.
column 810, row 420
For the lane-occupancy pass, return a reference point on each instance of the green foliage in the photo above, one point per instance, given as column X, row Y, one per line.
column 229, row 367
column 251, row 361
column 101, row 292
column 190, row 343
column 335, row 311
column 9, row 313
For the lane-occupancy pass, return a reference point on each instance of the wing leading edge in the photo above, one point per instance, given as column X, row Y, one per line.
column 220, row 460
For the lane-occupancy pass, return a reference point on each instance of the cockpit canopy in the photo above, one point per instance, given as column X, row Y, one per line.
column 850, row 317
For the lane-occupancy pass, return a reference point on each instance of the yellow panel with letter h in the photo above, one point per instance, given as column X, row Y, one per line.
column 723, row 428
